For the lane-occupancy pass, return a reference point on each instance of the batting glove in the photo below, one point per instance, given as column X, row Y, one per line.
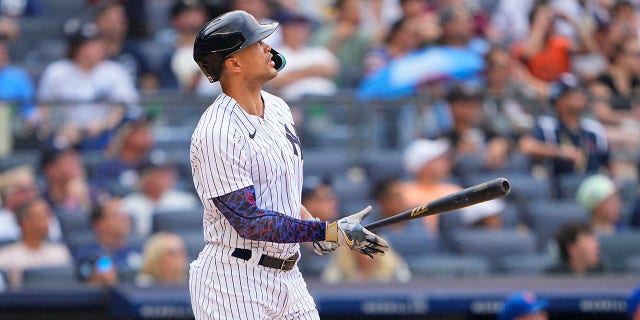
column 323, row 247
column 350, row 232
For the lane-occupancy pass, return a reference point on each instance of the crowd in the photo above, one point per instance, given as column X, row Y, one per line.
column 557, row 87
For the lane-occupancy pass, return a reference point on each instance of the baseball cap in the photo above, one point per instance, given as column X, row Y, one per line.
column 633, row 302
column 422, row 151
column 593, row 190
column 521, row 304
column 461, row 92
column 475, row 213
column 566, row 83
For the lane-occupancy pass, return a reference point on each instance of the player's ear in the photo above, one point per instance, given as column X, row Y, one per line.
column 231, row 64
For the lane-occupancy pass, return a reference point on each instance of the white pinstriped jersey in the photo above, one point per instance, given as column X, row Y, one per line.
column 231, row 149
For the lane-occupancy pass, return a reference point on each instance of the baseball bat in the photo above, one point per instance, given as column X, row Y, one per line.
column 482, row 192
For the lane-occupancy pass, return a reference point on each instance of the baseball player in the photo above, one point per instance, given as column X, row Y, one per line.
column 246, row 162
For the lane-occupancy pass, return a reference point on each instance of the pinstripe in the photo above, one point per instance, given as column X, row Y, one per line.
column 224, row 158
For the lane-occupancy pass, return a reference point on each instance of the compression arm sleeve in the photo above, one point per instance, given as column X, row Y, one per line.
column 253, row 223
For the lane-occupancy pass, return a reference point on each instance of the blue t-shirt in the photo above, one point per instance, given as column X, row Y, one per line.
column 127, row 260
column 17, row 87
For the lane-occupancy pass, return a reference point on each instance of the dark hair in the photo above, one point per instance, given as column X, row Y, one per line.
column 23, row 210
column 395, row 27
column 568, row 234
column 381, row 188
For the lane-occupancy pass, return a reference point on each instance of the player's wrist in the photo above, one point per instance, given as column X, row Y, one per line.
column 331, row 233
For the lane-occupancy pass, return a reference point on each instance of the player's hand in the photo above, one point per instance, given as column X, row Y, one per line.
column 323, row 247
column 350, row 232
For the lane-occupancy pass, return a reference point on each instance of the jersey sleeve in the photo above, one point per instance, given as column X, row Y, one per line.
column 223, row 161
column 253, row 223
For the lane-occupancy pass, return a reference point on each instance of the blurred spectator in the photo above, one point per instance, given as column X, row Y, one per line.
column 599, row 196
column 615, row 103
column 511, row 94
column 509, row 21
column 111, row 258
column 523, row 306
column 570, row 142
column 458, row 31
column 66, row 184
column 187, row 17
column 310, row 70
column 136, row 15
column 579, row 250
column 88, row 94
column 349, row 266
column 345, row 37
column 17, row 187
column 633, row 301
column 156, row 191
column 319, row 198
column 164, row 260
column 129, row 149
column 469, row 136
column 33, row 249
column 113, row 24
column 390, row 198
column 546, row 54
column 20, row 8
column 403, row 38
column 485, row 215
column 429, row 162
column 17, row 88
column 426, row 20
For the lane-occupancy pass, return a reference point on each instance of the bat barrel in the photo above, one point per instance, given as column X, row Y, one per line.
column 486, row 191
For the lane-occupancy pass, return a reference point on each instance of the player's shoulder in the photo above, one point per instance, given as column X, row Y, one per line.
column 280, row 106
column 219, row 119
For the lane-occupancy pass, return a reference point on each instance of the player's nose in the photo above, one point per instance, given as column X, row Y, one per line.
column 265, row 47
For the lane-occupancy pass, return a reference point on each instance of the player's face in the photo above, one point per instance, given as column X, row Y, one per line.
column 256, row 63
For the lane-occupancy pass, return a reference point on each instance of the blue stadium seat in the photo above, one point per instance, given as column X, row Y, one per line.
column 493, row 244
column 411, row 241
column 524, row 186
column 632, row 264
column 176, row 220
column 526, row 263
column 616, row 249
column 348, row 190
column 50, row 277
column 449, row 266
column 325, row 162
column 569, row 184
column 546, row 217
column 380, row 165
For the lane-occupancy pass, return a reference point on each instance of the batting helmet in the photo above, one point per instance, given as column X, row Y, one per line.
column 227, row 34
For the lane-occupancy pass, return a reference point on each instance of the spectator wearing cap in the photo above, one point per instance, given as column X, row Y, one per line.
column 111, row 258
column 633, row 304
column 485, row 215
column 311, row 70
column 523, row 306
column 579, row 250
column 569, row 141
column 429, row 164
column 390, row 199
column 187, row 17
column 156, row 191
column 599, row 196
column 465, row 129
column 86, row 93
column 33, row 249
column 66, row 185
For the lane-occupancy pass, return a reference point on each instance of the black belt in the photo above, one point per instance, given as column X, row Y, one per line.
column 268, row 261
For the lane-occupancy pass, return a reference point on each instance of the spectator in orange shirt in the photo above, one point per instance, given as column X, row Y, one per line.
column 548, row 55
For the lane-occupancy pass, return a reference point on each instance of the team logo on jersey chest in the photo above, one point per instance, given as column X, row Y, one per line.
column 295, row 141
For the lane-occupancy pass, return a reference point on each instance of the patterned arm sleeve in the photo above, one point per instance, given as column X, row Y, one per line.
column 253, row 223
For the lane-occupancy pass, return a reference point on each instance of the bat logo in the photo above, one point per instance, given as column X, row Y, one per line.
column 418, row 210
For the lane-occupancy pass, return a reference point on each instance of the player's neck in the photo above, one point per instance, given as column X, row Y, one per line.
column 248, row 97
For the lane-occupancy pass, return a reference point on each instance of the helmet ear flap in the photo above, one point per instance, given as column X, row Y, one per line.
column 278, row 59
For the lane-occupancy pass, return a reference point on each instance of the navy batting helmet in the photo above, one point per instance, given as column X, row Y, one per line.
column 227, row 34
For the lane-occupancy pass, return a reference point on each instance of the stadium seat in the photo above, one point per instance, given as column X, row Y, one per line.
column 72, row 221
column 348, row 189
column 632, row 264
column 325, row 162
column 51, row 277
column 493, row 244
column 526, row 263
column 616, row 249
column 176, row 220
column 546, row 217
column 524, row 187
column 412, row 241
column 569, row 184
column 445, row 265
column 382, row 165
